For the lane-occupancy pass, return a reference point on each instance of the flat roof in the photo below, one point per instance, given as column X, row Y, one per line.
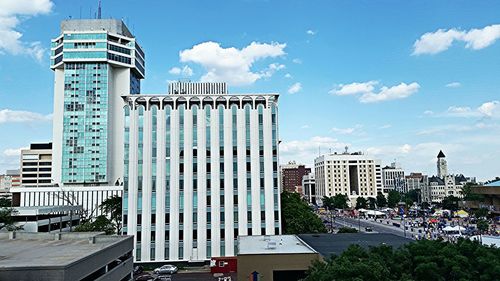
column 272, row 245
column 32, row 250
column 335, row 244
column 45, row 210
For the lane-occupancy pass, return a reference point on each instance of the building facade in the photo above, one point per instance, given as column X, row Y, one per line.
column 95, row 61
column 12, row 178
column 36, row 165
column 309, row 188
column 291, row 175
column 201, row 169
column 352, row 174
column 393, row 178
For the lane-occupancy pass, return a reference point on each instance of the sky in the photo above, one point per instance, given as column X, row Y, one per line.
column 398, row 80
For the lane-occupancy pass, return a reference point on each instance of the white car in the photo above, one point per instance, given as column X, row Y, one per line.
column 166, row 269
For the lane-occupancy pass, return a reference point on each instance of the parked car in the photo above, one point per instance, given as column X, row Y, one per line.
column 368, row 229
column 166, row 269
column 138, row 270
column 144, row 277
column 163, row 278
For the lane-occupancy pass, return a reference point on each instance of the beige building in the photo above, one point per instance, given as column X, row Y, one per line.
column 36, row 165
column 274, row 258
column 353, row 174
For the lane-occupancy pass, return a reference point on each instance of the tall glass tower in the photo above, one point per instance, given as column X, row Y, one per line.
column 95, row 61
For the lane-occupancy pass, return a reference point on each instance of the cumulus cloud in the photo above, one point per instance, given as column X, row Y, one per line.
column 347, row 131
column 297, row 61
column 386, row 126
column 490, row 109
column 15, row 116
column 453, row 85
column 295, row 88
column 441, row 40
column 367, row 93
column 288, row 75
column 304, row 151
column 311, row 32
column 13, row 152
column 184, row 71
column 231, row 65
column 12, row 13
column 271, row 69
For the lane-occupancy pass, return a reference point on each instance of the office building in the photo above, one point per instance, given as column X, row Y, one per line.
column 67, row 256
column 352, row 174
column 418, row 181
column 95, row 62
column 36, row 165
column 393, row 178
column 12, row 178
column 309, row 188
column 89, row 198
column 291, row 176
column 201, row 169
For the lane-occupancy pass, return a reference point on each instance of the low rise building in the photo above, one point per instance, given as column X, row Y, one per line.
column 309, row 188
column 65, row 256
column 291, row 176
column 47, row 219
column 36, row 165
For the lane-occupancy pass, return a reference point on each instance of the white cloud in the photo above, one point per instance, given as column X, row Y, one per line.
column 295, row 88
column 347, row 131
column 441, row 40
column 184, row 71
column 386, row 126
column 11, row 15
column 489, row 109
column 368, row 95
column 304, row 151
column 231, row 65
column 271, row 69
column 288, row 75
column 15, row 116
column 305, row 127
column 13, row 152
column 311, row 32
column 453, row 85
column 297, row 61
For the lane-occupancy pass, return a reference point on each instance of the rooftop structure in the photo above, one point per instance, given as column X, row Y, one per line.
column 65, row 256
column 272, row 244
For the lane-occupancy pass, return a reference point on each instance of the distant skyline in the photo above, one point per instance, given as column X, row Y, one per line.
column 399, row 80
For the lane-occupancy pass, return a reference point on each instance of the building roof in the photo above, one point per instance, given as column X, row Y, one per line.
column 45, row 250
column 85, row 25
column 272, row 245
column 437, row 180
column 335, row 244
column 441, row 154
column 493, row 183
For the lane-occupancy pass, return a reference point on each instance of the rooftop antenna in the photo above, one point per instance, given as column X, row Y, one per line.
column 99, row 10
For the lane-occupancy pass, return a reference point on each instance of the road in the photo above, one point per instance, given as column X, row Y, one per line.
column 375, row 226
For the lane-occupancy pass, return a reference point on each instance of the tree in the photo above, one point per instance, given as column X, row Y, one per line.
column 417, row 261
column 113, row 208
column 381, row 200
column 5, row 202
column 100, row 224
column 361, row 203
column 372, row 203
column 481, row 213
column 425, row 205
column 347, row 230
column 393, row 198
column 482, row 225
column 339, row 201
column 450, row 203
column 297, row 217
column 468, row 194
column 412, row 196
column 7, row 213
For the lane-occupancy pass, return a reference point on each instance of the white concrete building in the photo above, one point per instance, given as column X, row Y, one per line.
column 393, row 178
column 352, row 174
column 201, row 169
column 36, row 165
column 309, row 188
column 442, row 166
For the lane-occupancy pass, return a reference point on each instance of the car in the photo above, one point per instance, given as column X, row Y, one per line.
column 138, row 270
column 368, row 229
column 166, row 269
column 144, row 277
column 163, row 278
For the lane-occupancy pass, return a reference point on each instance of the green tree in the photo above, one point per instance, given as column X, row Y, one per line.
column 339, row 201
column 372, row 203
column 361, row 203
column 347, row 230
column 421, row 260
column 468, row 194
column 7, row 221
column 482, row 225
column 481, row 213
column 112, row 207
column 381, row 200
column 393, row 198
column 100, row 224
column 297, row 217
column 450, row 203
column 5, row 202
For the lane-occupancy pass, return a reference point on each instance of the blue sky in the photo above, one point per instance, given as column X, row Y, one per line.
column 394, row 79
